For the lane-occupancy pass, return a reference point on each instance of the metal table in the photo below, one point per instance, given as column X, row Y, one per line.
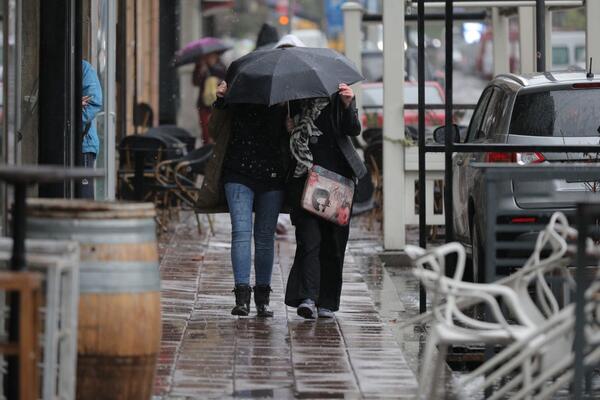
column 21, row 176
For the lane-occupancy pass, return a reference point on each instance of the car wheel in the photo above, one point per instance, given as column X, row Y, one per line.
column 478, row 253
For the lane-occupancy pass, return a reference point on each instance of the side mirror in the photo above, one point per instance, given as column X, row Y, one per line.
column 439, row 134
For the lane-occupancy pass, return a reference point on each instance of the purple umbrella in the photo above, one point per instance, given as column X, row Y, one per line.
column 200, row 47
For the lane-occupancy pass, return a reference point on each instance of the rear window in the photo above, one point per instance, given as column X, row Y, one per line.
column 559, row 113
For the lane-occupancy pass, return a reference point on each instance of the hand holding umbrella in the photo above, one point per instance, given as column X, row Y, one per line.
column 346, row 94
column 222, row 89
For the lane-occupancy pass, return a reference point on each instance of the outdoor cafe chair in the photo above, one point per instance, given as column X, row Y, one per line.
column 451, row 325
column 548, row 350
column 549, row 257
column 183, row 178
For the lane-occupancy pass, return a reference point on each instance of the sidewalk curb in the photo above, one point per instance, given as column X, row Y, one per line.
column 395, row 258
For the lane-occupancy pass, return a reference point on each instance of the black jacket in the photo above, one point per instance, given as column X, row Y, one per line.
column 348, row 124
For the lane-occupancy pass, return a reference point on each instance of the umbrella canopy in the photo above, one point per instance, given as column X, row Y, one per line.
column 191, row 51
column 274, row 76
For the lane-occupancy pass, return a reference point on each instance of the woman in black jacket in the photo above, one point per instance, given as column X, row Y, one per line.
column 253, row 171
column 315, row 281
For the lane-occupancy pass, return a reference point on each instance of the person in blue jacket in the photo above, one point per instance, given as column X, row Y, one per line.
column 91, row 104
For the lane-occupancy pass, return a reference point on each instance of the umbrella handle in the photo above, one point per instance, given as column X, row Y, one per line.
column 288, row 107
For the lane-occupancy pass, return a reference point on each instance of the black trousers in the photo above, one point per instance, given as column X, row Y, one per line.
column 319, row 261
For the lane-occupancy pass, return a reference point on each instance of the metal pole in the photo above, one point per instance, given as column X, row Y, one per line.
column 422, row 172
column 17, row 264
column 490, row 253
column 540, row 34
column 291, row 5
column 526, row 39
column 394, row 207
column 449, row 140
column 579, row 340
column 592, row 33
column 353, row 13
column 18, row 228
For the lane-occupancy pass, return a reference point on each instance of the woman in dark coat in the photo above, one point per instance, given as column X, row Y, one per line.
column 315, row 281
column 248, row 169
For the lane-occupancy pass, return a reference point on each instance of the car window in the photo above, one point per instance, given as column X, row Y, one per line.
column 478, row 114
column 496, row 128
column 580, row 54
column 558, row 113
column 560, row 55
column 492, row 117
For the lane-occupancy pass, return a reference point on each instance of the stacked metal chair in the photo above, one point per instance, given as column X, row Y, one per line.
column 58, row 264
column 537, row 332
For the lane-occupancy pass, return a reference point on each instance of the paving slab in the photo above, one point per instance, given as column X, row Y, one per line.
column 208, row 353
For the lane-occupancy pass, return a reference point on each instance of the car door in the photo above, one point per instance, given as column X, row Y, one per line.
column 460, row 165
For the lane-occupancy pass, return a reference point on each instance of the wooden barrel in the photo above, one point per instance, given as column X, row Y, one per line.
column 119, row 306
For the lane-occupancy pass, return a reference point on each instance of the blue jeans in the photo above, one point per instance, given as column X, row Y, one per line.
column 267, row 205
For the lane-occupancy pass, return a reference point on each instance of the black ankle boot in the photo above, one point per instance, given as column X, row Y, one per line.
column 242, row 300
column 261, row 299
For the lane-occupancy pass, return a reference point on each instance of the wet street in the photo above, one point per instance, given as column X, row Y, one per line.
column 208, row 353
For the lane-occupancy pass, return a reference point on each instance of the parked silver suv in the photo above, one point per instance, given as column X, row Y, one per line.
column 546, row 108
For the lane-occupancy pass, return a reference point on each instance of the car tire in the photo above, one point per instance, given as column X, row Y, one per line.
column 478, row 253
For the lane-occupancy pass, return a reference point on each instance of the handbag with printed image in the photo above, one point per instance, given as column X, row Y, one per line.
column 328, row 195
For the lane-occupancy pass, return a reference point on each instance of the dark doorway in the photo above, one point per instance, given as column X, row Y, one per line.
column 59, row 89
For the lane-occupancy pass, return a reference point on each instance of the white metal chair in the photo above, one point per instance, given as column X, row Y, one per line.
column 549, row 256
column 547, row 350
column 451, row 325
column 552, row 239
column 59, row 263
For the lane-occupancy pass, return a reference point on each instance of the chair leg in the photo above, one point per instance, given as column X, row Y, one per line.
column 437, row 369
column 210, row 224
column 425, row 380
column 198, row 224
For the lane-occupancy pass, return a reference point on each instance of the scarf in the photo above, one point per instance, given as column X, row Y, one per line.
column 304, row 129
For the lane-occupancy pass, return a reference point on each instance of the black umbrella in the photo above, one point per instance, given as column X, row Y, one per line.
column 274, row 76
column 190, row 53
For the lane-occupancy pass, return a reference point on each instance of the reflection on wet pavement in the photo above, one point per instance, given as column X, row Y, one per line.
column 208, row 353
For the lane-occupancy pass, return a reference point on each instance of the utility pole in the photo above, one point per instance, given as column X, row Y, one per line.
column 291, row 6
column 540, row 24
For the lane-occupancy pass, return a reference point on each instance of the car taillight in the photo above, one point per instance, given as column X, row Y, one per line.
column 523, row 220
column 530, row 158
column 587, row 85
column 499, row 157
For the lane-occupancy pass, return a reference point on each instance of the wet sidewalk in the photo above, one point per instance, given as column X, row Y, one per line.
column 208, row 353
